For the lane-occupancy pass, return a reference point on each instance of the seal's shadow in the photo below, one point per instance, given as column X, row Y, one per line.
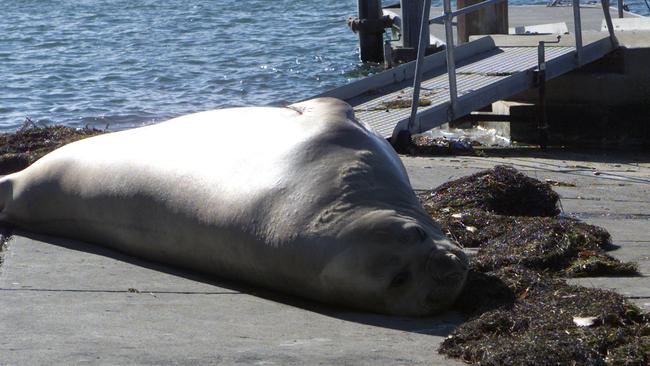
column 440, row 325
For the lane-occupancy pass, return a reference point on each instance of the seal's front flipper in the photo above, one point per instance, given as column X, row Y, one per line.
column 6, row 196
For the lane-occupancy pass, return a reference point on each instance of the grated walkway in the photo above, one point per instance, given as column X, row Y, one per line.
column 474, row 75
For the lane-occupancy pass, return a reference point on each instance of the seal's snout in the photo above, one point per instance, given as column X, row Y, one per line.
column 447, row 267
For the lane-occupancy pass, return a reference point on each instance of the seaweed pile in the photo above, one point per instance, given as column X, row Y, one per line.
column 437, row 146
column 403, row 103
column 538, row 320
column 520, row 309
column 515, row 220
column 501, row 190
column 20, row 149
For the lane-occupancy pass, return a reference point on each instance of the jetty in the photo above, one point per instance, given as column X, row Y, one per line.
column 593, row 47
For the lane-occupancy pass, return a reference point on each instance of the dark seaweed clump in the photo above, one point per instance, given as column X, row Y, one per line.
column 514, row 220
column 533, row 320
column 20, row 149
column 502, row 190
column 403, row 103
column 520, row 310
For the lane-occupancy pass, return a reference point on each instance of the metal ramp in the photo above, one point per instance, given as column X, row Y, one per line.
column 487, row 70
column 423, row 94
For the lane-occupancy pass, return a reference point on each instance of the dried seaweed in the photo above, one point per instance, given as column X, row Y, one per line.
column 502, row 190
column 541, row 243
column 513, row 219
column 520, row 309
column 498, row 73
column 402, row 103
column 437, row 146
column 20, row 149
column 592, row 264
column 539, row 329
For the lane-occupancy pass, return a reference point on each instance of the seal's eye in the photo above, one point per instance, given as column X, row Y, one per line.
column 412, row 234
column 400, row 279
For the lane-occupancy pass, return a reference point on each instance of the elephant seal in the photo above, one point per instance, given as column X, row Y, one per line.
column 304, row 200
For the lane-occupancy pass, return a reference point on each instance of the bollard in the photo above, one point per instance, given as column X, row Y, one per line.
column 371, row 33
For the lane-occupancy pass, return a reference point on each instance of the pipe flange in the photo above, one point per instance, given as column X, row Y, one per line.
column 369, row 26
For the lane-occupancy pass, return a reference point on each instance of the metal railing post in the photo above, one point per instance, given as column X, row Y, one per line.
column 422, row 49
column 578, row 30
column 542, row 120
column 449, row 52
column 608, row 20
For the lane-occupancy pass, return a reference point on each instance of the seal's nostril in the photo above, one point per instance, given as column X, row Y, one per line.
column 446, row 266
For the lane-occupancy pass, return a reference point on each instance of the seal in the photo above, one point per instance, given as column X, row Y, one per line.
column 304, row 200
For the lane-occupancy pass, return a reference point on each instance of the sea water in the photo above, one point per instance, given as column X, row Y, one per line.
column 125, row 63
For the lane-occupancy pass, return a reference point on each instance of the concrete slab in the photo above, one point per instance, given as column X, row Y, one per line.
column 585, row 208
column 634, row 38
column 627, row 24
column 632, row 251
column 634, row 230
column 66, row 265
column 550, row 28
column 65, row 302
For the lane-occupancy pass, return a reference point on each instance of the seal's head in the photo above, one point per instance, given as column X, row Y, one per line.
column 395, row 264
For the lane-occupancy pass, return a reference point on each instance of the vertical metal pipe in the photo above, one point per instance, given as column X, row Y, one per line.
column 410, row 29
column 422, row 49
column 388, row 55
column 541, row 58
column 451, row 63
column 608, row 20
column 620, row 8
column 578, row 30
column 371, row 45
column 542, row 122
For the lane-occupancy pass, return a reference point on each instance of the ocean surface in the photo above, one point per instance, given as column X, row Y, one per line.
column 125, row 63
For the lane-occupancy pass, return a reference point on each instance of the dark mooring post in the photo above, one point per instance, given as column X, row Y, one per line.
column 411, row 16
column 370, row 26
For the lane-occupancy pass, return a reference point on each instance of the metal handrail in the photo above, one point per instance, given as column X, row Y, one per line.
column 608, row 21
column 577, row 23
column 447, row 17
column 451, row 60
column 417, row 78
